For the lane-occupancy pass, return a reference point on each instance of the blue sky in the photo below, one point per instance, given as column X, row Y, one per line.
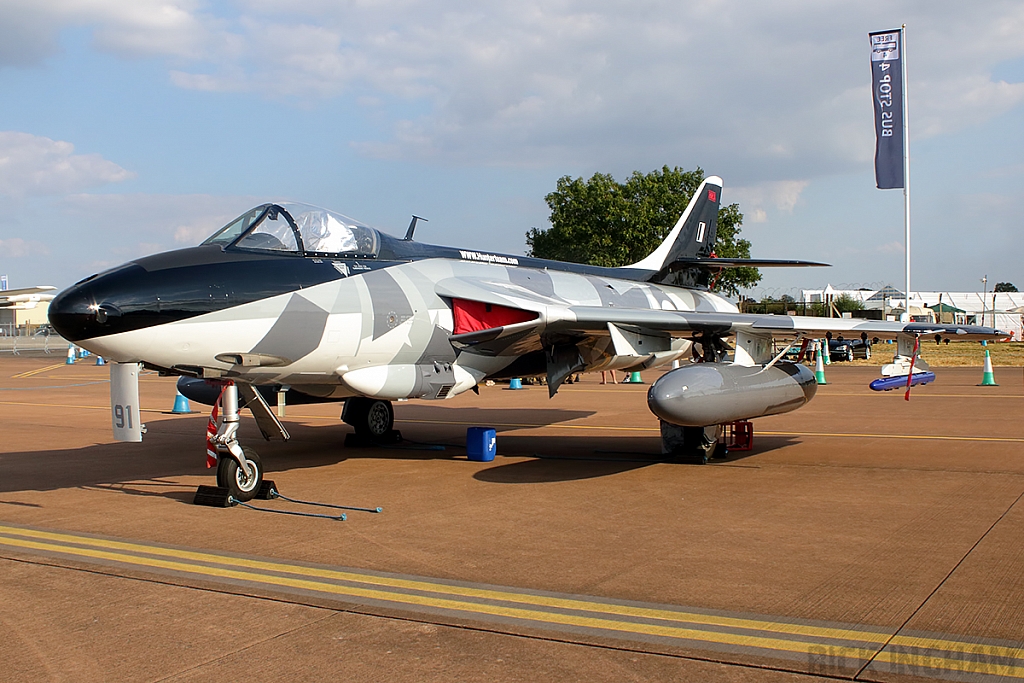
column 128, row 128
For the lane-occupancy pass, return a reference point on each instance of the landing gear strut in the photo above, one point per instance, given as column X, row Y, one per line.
column 239, row 470
column 691, row 444
column 373, row 419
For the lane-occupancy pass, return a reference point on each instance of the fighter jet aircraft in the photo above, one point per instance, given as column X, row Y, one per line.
column 298, row 299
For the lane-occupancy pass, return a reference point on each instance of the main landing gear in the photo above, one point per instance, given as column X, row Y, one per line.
column 239, row 469
column 373, row 420
column 691, row 444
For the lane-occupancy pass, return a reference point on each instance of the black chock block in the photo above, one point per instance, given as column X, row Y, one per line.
column 213, row 496
column 266, row 488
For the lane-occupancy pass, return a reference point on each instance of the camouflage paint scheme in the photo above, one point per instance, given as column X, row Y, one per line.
column 376, row 333
column 380, row 322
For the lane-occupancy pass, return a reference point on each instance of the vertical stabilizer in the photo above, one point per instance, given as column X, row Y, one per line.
column 693, row 235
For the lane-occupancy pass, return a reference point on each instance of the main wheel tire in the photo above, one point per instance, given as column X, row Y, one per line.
column 380, row 418
column 232, row 477
column 695, row 445
column 370, row 417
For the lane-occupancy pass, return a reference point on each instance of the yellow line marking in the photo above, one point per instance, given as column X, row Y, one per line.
column 921, row 437
column 761, row 432
column 846, row 435
column 953, row 646
column 452, row 604
column 914, row 660
column 65, row 405
column 462, row 591
column 30, row 373
column 230, row 569
column 533, row 426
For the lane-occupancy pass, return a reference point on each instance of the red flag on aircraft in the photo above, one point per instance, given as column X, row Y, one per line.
column 211, row 433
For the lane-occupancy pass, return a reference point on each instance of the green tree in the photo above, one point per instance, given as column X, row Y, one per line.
column 845, row 303
column 606, row 223
column 1005, row 287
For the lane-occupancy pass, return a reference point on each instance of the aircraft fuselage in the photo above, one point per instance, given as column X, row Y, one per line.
column 336, row 327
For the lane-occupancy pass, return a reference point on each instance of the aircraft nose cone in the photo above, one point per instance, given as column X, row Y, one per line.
column 92, row 308
column 72, row 314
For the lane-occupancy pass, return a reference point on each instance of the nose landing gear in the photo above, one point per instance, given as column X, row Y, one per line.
column 239, row 469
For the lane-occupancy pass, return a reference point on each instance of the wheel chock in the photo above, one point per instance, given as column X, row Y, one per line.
column 213, row 496
column 268, row 490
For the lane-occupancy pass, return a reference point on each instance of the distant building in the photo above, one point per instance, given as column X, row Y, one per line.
column 1002, row 310
column 27, row 320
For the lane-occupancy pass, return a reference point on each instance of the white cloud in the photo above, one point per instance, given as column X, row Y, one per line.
column 763, row 91
column 755, row 200
column 141, row 224
column 82, row 234
column 35, row 165
column 140, row 27
column 17, row 247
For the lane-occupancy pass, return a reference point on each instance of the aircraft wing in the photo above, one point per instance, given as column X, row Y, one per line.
column 26, row 297
column 720, row 262
column 555, row 316
column 593, row 318
column 583, row 321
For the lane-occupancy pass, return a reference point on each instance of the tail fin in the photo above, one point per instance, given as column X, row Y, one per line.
column 693, row 236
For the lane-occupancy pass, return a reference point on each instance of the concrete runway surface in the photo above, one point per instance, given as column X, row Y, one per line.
column 864, row 537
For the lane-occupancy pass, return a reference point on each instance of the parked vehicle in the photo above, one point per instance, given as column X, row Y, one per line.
column 849, row 349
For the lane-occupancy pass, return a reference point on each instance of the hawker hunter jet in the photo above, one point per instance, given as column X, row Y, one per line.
column 295, row 300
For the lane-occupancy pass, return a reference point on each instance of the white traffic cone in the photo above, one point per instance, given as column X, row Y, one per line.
column 819, row 368
column 988, row 379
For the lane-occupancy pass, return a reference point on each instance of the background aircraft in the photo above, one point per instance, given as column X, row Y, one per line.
column 26, row 297
column 290, row 297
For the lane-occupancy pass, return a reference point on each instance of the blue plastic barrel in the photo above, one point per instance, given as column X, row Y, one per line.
column 481, row 444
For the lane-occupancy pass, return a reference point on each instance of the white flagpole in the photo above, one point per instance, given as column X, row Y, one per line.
column 906, row 164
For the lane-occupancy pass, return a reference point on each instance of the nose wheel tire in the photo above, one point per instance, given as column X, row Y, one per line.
column 232, row 477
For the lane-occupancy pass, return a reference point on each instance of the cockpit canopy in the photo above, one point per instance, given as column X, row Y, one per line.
column 297, row 229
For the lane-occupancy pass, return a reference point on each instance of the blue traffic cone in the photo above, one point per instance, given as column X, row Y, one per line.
column 181, row 406
column 71, row 355
column 100, row 361
column 515, row 383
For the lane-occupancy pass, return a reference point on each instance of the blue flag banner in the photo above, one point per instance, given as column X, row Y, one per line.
column 887, row 92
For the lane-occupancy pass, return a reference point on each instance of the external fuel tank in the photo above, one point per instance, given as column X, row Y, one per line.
column 705, row 394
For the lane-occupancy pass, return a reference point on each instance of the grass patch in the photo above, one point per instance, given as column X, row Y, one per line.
column 954, row 354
